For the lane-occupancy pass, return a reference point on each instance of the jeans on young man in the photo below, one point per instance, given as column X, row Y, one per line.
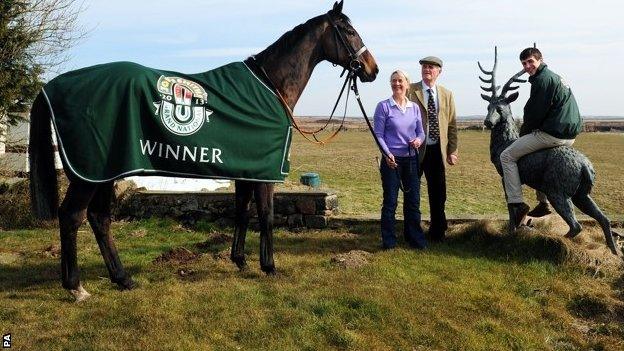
column 407, row 170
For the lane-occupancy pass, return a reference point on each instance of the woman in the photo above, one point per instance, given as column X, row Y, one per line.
column 398, row 127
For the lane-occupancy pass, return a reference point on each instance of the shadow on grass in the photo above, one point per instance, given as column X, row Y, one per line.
column 36, row 274
column 480, row 239
column 483, row 239
column 489, row 240
column 28, row 275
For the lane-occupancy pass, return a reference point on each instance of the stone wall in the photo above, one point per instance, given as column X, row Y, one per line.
column 311, row 209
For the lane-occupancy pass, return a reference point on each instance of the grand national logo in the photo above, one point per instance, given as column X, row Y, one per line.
column 183, row 108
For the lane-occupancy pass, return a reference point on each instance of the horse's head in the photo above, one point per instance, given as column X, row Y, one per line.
column 499, row 108
column 343, row 46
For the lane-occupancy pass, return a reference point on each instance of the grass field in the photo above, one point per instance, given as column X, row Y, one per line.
column 474, row 188
column 480, row 290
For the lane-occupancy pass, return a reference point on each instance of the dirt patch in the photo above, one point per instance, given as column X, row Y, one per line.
column 177, row 255
column 346, row 235
column 53, row 251
column 223, row 255
column 214, row 240
column 10, row 257
column 180, row 228
column 185, row 272
column 351, row 259
column 139, row 233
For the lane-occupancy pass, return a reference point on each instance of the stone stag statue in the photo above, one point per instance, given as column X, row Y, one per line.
column 563, row 174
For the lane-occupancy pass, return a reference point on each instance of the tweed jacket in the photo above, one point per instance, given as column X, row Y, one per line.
column 446, row 118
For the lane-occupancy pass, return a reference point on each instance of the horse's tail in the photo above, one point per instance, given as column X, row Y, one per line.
column 43, row 181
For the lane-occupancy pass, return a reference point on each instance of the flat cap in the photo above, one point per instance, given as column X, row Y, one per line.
column 432, row 60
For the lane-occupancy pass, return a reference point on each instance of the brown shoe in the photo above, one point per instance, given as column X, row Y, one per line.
column 542, row 209
column 517, row 213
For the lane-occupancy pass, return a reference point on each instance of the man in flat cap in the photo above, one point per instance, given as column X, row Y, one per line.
column 437, row 108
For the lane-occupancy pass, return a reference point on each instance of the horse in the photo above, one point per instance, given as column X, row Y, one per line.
column 563, row 174
column 285, row 66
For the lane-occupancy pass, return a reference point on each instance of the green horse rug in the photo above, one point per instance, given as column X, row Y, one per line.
column 120, row 119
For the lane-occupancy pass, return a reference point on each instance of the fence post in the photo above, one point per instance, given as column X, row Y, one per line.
column 3, row 132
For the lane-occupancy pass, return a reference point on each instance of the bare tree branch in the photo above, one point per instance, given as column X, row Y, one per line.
column 35, row 37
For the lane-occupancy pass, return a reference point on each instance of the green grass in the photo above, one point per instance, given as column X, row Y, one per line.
column 348, row 165
column 479, row 291
column 474, row 188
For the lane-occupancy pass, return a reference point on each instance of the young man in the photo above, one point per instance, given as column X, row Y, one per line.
column 440, row 148
column 551, row 118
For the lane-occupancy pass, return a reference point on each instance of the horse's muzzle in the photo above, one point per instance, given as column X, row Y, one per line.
column 368, row 71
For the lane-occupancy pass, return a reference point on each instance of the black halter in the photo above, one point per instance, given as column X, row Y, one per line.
column 354, row 65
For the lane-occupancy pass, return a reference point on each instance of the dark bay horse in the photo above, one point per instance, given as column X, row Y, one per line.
column 286, row 66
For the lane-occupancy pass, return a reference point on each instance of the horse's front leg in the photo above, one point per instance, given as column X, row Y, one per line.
column 264, row 203
column 243, row 193
column 99, row 216
column 71, row 214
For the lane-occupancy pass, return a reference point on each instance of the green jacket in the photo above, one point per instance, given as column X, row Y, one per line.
column 551, row 107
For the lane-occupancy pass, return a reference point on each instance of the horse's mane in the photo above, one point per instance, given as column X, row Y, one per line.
column 290, row 38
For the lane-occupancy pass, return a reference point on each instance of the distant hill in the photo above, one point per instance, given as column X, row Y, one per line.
column 592, row 123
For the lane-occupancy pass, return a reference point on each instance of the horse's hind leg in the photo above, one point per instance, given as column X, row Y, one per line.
column 563, row 206
column 99, row 216
column 585, row 203
column 243, row 193
column 264, row 203
column 71, row 214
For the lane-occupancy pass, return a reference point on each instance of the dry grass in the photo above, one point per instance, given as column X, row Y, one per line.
column 474, row 188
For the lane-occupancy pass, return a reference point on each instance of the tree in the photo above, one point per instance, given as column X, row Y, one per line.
column 34, row 38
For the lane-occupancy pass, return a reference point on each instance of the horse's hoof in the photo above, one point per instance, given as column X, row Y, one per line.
column 240, row 262
column 572, row 233
column 614, row 249
column 615, row 252
column 79, row 294
column 268, row 270
column 126, row 283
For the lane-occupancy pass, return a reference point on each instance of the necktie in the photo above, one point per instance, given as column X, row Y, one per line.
column 432, row 114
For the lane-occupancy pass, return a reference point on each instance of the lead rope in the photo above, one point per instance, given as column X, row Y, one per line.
column 292, row 117
column 370, row 127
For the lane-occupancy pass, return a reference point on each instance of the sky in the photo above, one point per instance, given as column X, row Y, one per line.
column 583, row 41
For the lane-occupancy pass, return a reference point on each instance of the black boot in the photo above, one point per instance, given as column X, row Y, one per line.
column 542, row 209
column 517, row 213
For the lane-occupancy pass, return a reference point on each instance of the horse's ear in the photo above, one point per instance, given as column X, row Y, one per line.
column 338, row 7
column 511, row 98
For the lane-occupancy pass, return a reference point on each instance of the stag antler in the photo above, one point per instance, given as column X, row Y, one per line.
column 494, row 88
column 515, row 79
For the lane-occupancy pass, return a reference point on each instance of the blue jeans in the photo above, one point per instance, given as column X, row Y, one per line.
column 407, row 170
